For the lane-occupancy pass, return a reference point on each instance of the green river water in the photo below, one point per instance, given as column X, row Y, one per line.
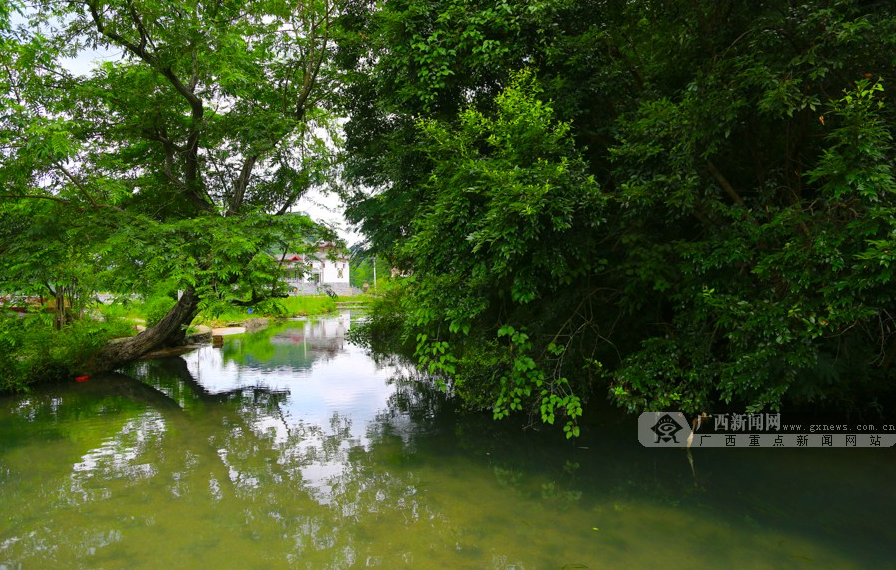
column 292, row 448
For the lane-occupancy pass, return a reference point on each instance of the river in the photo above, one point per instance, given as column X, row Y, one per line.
column 293, row 448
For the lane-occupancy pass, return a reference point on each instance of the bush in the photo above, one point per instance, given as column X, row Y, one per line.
column 122, row 309
column 32, row 350
column 385, row 330
column 155, row 309
column 277, row 307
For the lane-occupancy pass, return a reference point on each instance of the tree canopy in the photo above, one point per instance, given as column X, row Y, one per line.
column 178, row 159
column 680, row 203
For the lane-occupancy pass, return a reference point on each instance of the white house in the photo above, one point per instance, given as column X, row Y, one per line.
column 328, row 266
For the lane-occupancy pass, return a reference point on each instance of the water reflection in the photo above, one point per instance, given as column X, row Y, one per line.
column 292, row 449
column 291, row 345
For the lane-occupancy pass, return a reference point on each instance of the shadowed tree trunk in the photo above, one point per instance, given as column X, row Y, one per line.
column 170, row 331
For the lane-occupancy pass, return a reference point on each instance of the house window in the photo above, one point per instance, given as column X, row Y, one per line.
column 339, row 273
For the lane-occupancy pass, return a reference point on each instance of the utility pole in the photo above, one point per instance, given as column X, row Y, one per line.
column 374, row 275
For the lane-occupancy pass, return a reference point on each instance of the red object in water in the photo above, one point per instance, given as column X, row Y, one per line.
column 81, row 378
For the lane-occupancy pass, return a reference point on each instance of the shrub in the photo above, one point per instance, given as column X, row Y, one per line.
column 32, row 350
column 155, row 308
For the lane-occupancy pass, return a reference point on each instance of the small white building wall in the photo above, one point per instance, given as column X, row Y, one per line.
column 325, row 271
column 334, row 271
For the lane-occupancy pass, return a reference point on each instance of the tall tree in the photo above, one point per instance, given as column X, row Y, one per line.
column 737, row 249
column 179, row 157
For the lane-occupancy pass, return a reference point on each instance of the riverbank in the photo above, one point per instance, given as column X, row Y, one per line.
column 304, row 306
column 32, row 351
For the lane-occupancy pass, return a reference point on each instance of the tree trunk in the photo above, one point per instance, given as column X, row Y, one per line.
column 170, row 331
column 59, row 315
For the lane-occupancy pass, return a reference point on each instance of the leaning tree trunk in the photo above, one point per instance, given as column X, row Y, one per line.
column 170, row 331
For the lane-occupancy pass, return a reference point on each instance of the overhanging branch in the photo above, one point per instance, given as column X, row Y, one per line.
column 39, row 197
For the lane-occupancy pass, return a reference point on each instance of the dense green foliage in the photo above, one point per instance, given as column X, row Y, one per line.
column 176, row 160
column 32, row 349
column 684, row 204
column 174, row 163
column 681, row 203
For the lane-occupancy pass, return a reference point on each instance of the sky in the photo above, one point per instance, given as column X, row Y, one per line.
column 329, row 208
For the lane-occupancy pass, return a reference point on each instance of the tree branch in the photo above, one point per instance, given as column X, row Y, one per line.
column 39, row 197
column 144, row 37
column 138, row 50
column 194, row 80
column 78, row 185
column 290, row 201
column 83, row 189
column 242, row 182
column 150, row 59
column 723, row 182
column 162, row 137
column 197, row 110
column 313, row 66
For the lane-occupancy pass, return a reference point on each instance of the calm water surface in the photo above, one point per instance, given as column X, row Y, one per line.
column 292, row 448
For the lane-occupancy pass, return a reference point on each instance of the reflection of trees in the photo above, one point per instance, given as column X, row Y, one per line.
column 293, row 344
column 268, row 492
column 425, row 485
column 172, row 378
column 317, row 486
column 416, row 400
column 275, row 469
column 316, row 496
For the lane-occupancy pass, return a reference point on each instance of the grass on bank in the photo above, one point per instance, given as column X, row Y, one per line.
column 32, row 350
column 154, row 308
column 278, row 308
